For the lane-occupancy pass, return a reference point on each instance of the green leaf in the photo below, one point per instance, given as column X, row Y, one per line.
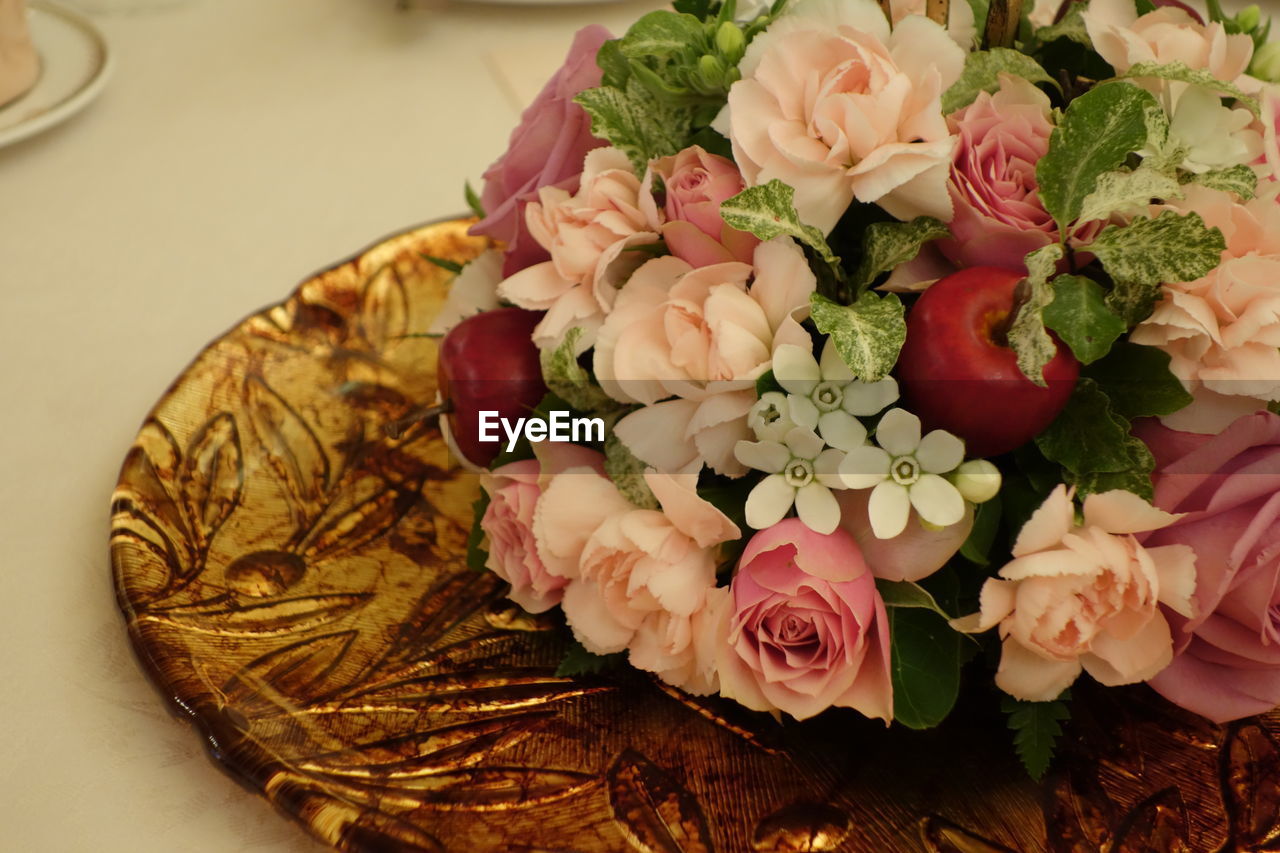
column 1180, row 72
column 986, row 522
column 663, row 34
column 981, row 74
column 1240, row 180
column 1128, row 191
column 766, row 383
column 578, row 661
column 477, row 556
column 443, row 263
column 1070, row 27
column 1027, row 337
column 1089, row 438
column 636, row 121
column 769, row 211
column 1080, row 316
column 908, row 594
column 1037, row 727
column 473, row 200
column 868, row 334
column 1142, row 255
column 566, row 378
column 925, row 666
column 1138, row 381
column 697, row 8
column 627, row 473
column 885, row 245
column 1097, row 132
column 615, row 68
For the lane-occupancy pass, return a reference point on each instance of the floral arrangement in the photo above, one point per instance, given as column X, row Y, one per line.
column 918, row 337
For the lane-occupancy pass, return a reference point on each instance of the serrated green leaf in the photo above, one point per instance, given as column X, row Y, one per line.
column 1142, row 255
column 663, row 34
column 908, row 594
column 868, row 334
column 1089, row 439
column 567, row 379
column 1138, row 381
column 981, row 74
column 986, row 522
column 1240, row 180
column 1180, row 72
column 627, row 473
column 1128, row 191
column 473, row 200
column 1027, row 336
column 1070, row 27
column 769, row 211
column 1096, row 133
column 477, row 556
column 885, row 245
column 1080, row 316
column 924, row 666
column 615, row 68
column 578, row 661
column 636, row 121
column 1037, row 727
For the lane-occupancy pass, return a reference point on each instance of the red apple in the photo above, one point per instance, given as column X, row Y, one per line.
column 488, row 362
column 958, row 372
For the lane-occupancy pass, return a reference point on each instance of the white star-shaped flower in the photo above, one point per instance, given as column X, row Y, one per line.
column 906, row 471
column 802, row 472
column 824, row 396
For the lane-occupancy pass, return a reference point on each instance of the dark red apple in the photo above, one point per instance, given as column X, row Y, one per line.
column 488, row 362
column 958, row 372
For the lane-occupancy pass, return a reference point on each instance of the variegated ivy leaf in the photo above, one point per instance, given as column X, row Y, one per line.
column 566, row 379
column 982, row 70
column 769, row 211
column 1146, row 253
column 661, row 34
column 1180, row 72
column 1070, row 27
column 637, row 122
column 868, row 334
column 1080, row 316
column 1240, row 180
column 1126, row 191
column 1094, row 136
column 885, row 245
column 1027, row 337
column 627, row 473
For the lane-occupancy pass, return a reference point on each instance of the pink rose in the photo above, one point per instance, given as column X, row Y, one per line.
column 701, row 336
column 807, row 629
column 1222, row 331
column 514, row 491
column 1085, row 596
column 999, row 217
column 590, row 235
column 833, row 104
column 1227, row 656
column 545, row 150
column 694, row 183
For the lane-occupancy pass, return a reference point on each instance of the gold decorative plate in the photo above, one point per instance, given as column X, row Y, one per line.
column 294, row 583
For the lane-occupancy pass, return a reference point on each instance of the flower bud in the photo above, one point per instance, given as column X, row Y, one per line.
column 732, row 45
column 1249, row 18
column 711, row 73
column 1266, row 62
column 977, row 480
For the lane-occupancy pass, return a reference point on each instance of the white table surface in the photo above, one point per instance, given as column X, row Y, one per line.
column 240, row 146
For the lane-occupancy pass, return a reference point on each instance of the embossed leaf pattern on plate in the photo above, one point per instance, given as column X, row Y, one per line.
column 293, row 579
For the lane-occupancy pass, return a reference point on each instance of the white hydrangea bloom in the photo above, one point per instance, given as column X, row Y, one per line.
column 802, row 472
column 906, row 471
column 824, row 396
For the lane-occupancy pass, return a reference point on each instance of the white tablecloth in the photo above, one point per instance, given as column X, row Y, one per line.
column 240, row 146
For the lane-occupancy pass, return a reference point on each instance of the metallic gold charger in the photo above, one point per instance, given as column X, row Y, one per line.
column 294, row 583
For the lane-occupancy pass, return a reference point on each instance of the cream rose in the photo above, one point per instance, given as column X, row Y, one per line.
column 701, row 336
column 590, row 236
column 835, row 105
column 1085, row 597
column 1222, row 331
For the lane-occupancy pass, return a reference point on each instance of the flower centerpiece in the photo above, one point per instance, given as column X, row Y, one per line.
column 825, row 345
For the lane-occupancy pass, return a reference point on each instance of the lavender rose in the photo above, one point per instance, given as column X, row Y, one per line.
column 545, row 149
